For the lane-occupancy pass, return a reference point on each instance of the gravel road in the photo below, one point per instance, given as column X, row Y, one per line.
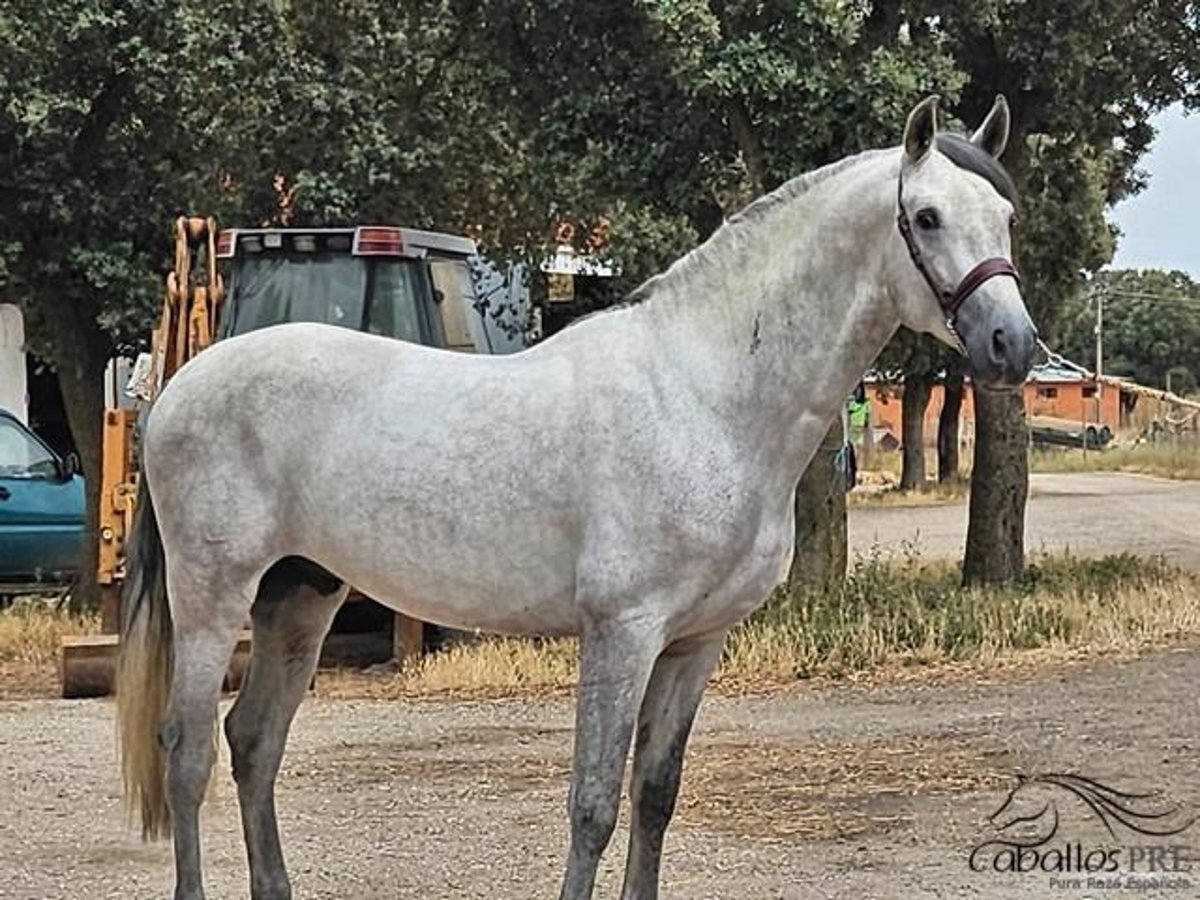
column 840, row 793
column 1091, row 514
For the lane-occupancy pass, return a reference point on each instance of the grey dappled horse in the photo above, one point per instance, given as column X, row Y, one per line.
column 630, row 481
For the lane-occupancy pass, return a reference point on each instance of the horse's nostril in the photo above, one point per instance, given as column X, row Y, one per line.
column 999, row 345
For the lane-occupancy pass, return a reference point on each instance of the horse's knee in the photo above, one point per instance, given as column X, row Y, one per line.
column 656, row 783
column 654, row 801
column 189, row 756
column 243, row 739
column 594, row 818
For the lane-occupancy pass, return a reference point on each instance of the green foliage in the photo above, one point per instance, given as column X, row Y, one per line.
column 1101, row 577
column 84, row 145
column 1151, row 326
column 503, row 117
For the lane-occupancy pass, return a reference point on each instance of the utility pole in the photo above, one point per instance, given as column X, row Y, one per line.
column 1099, row 359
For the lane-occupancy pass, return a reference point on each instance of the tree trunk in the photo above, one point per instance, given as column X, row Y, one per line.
column 917, row 389
column 947, row 436
column 80, row 353
column 819, row 561
column 999, row 486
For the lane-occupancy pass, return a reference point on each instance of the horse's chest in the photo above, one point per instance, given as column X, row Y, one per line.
column 736, row 587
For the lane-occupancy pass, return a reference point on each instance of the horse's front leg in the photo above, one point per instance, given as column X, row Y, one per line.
column 664, row 723
column 616, row 661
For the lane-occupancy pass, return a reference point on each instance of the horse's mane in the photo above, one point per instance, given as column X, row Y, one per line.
column 955, row 147
column 735, row 228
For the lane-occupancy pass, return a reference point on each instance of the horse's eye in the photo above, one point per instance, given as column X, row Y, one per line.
column 927, row 220
column 1013, row 220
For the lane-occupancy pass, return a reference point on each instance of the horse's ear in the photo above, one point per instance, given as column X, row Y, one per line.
column 992, row 135
column 921, row 130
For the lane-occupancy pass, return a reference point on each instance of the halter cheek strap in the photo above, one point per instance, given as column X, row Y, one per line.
column 949, row 300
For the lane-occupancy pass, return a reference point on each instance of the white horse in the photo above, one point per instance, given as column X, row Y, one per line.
column 629, row 481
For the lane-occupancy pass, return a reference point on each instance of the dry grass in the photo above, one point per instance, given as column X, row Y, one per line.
column 907, row 614
column 891, row 615
column 489, row 667
column 30, row 634
column 932, row 493
column 1171, row 460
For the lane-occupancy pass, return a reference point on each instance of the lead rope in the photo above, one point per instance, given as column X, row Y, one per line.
column 1057, row 359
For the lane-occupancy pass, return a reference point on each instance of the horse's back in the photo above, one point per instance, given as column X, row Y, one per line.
column 412, row 472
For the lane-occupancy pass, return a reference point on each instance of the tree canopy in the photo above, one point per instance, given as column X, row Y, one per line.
column 502, row 117
column 1151, row 326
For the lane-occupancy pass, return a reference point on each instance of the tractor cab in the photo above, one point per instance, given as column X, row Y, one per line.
column 401, row 283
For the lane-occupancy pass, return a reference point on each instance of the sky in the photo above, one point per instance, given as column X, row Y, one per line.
column 1161, row 225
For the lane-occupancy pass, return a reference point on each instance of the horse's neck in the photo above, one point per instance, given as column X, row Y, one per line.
column 779, row 316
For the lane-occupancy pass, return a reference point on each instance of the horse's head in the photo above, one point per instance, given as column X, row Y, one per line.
column 956, row 206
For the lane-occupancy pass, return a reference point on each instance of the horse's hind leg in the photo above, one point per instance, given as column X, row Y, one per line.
column 664, row 723
column 293, row 611
column 207, row 611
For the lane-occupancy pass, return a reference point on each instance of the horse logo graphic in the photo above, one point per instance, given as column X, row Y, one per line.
column 1034, row 801
column 1033, row 812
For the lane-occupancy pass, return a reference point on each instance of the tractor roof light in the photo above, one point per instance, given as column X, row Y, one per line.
column 227, row 243
column 376, row 241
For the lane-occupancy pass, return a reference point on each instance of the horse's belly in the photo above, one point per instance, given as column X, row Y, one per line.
column 527, row 599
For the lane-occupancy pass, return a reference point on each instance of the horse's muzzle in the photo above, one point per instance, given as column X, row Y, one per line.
column 1000, row 340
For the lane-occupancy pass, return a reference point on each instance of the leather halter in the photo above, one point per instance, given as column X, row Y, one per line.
column 949, row 300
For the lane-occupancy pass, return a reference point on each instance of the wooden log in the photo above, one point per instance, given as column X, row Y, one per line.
column 88, row 665
column 408, row 639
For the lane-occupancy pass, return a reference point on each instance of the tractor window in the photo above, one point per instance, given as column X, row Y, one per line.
column 21, row 455
column 275, row 288
column 396, row 301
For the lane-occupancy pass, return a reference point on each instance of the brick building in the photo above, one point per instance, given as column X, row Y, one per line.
column 1054, row 395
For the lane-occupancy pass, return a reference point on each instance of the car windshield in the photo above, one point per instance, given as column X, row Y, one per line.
column 21, row 454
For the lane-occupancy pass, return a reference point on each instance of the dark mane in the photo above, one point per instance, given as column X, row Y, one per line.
column 966, row 155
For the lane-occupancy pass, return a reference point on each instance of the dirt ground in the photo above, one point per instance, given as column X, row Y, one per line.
column 816, row 793
column 1087, row 513
column 861, row 793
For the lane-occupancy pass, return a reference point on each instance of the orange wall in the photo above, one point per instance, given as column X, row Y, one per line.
column 1068, row 404
column 886, row 406
column 1103, row 406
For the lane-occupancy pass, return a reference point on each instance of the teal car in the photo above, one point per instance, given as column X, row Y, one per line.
column 42, row 509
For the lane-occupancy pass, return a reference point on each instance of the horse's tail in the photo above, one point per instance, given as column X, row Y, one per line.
column 144, row 672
